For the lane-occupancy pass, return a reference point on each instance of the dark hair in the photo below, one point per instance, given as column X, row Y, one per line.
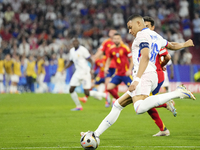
column 133, row 17
column 117, row 34
column 149, row 19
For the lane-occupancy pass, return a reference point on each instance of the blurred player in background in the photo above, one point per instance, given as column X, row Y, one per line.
column 104, row 48
column 100, row 80
column 8, row 70
column 30, row 73
column 16, row 70
column 121, row 55
column 163, row 53
column 41, row 75
column 80, row 56
column 60, row 75
column 1, row 74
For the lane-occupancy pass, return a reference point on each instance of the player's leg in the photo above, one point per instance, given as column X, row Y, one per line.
column 169, row 105
column 110, row 119
column 73, row 83
column 143, row 103
column 116, row 80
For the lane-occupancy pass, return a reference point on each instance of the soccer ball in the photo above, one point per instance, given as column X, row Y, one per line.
column 89, row 141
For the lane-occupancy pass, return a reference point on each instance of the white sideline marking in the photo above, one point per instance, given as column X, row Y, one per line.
column 99, row 146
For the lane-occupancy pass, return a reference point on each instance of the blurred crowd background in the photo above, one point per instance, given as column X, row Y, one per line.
column 45, row 27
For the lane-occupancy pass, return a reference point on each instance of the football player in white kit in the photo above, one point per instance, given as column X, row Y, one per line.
column 145, row 48
column 79, row 56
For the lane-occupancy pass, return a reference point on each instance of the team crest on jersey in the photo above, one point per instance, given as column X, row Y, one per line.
column 113, row 53
column 109, row 45
column 121, row 52
column 117, row 54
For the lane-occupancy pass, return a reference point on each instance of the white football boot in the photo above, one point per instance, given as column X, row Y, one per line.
column 162, row 133
column 170, row 107
column 184, row 93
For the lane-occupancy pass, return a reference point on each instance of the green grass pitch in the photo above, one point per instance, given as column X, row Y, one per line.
column 44, row 121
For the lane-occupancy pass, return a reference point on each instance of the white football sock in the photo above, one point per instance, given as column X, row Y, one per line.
column 1, row 87
column 74, row 96
column 110, row 118
column 142, row 106
column 98, row 94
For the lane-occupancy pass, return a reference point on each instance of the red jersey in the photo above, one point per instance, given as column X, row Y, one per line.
column 105, row 47
column 101, row 64
column 162, row 52
column 120, row 55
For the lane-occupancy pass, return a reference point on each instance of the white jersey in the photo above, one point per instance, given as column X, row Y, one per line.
column 147, row 39
column 79, row 57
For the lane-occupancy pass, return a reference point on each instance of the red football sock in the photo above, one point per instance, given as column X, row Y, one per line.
column 163, row 105
column 155, row 116
column 113, row 92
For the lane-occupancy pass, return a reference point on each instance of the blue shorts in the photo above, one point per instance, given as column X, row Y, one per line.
column 111, row 71
column 99, row 80
column 118, row 79
column 157, row 88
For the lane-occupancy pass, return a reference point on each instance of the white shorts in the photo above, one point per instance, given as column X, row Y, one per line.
column 78, row 79
column 148, row 83
column 14, row 78
column 1, row 77
column 166, row 81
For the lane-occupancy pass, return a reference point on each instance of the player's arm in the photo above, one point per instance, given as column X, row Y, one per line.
column 91, row 62
column 69, row 64
column 166, row 60
column 98, row 54
column 129, row 72
column 177, row 46
column 108, row 61
column 142, row 67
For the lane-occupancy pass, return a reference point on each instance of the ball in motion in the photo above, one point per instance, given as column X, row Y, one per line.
column 89, row 141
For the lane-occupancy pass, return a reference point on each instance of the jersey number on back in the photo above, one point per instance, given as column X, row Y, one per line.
column 154, row 52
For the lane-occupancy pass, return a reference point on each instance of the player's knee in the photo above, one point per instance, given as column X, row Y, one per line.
column 71, row 90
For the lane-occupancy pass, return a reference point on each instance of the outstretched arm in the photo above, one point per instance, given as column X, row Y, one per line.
column 177, row 46
column 98, row 54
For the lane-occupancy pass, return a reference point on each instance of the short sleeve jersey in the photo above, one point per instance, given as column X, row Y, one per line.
column 120, row 55
column 79, row 56
column 105, row 47
column 147, row 39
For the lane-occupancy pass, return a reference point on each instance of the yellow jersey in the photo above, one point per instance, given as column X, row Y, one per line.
column 41, row 69
column 17, row 68
column 8, row 66
column 61, row 64
column 1, row 66
column 30, row 70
